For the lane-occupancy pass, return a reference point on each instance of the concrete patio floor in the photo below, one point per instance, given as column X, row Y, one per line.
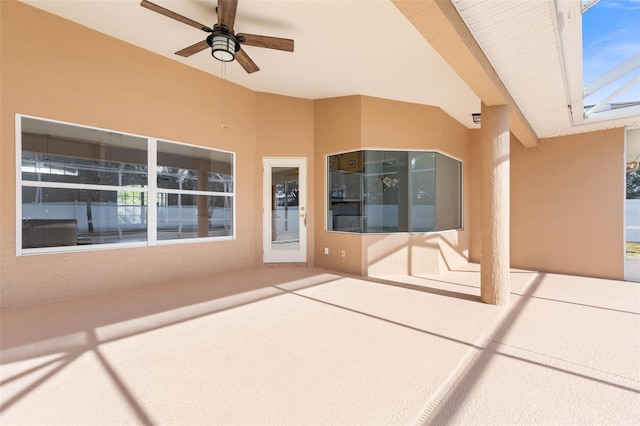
column 294, row 345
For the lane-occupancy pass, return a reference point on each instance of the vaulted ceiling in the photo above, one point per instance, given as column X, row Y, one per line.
column 369, row 47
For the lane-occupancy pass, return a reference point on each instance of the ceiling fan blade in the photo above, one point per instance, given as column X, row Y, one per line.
column 194, row 48
column 227, row 12
column 166, row 12
column 285, row 44
column 246, row 62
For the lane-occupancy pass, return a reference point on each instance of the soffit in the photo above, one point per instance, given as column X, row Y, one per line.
column 535, row 47
column 519, row 40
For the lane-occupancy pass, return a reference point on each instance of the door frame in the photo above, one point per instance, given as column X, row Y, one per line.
column 298, row 255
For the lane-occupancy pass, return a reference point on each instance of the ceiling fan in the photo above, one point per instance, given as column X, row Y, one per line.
column 224, row 42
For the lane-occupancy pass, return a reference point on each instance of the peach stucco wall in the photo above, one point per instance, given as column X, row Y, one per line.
column 373, row 123
column 562, row 196
column 409, row 126
column 337, row 128
column 475, row 186
column 561, row 191
column 84, row 77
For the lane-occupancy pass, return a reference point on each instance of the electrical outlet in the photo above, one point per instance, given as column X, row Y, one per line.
column 326, row 250
column 343, row 254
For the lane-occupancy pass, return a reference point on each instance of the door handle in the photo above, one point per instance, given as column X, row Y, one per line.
column 304, row 216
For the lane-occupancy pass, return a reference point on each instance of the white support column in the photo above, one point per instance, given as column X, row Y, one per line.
column 495, row 260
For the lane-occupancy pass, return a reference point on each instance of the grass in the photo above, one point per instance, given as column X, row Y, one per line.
column 633, row 249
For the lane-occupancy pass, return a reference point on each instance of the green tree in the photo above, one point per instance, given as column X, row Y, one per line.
column 633, row 185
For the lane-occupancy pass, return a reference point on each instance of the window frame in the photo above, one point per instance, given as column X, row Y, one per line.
column 151, row 191
column 363, row 149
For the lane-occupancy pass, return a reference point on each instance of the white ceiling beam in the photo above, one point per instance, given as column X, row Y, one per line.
column 620, row 117
column 587, row 4
column 613, row 95
column 610, row 76
column 568, row 25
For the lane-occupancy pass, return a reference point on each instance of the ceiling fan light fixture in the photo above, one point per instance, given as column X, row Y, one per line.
column 223, row 47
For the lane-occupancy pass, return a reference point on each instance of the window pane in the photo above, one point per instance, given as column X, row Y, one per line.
column 183, row 216
column 345, row 193
column 393, row 191
column 53, row 217
column 423, row 191
column 386, row 191
column 55, row 152
column 448, row 193
column 191, row 168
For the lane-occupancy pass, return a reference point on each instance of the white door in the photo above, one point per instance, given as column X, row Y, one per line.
column 285, row 210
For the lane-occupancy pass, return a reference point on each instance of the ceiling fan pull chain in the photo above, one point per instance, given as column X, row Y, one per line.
column 223, row 73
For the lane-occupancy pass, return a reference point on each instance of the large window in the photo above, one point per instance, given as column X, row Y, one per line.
column 393, row 191
column 83, row 188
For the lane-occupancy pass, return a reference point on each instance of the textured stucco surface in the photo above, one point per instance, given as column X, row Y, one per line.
column 495, row 204
column 567, row 204
column 295, row 345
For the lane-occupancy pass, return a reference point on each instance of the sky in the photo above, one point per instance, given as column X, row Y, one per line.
column 610, row 36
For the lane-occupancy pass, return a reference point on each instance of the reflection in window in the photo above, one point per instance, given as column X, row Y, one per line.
column 68, row 217
column 194, row 192
column 103, row 159
column 393, row 191
column 193, row 216
column 89, row 187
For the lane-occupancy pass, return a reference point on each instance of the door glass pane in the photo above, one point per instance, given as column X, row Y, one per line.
column 285, row 211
